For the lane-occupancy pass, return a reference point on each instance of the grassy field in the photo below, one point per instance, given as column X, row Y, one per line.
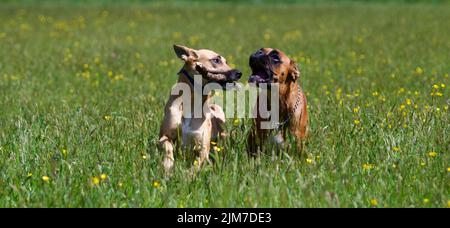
column 82, row 90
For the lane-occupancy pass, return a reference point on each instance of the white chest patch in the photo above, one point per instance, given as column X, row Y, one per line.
column 278, row 139
column 194, row 135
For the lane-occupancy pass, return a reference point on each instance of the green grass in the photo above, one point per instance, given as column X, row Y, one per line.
column 61, row 72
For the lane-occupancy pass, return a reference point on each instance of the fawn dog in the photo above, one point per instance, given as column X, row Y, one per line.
column 196, row 131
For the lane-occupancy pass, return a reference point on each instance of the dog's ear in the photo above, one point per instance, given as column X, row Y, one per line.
column 185, row 53
column 294, row 72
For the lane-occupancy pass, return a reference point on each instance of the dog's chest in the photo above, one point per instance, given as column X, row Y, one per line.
column 195, row 131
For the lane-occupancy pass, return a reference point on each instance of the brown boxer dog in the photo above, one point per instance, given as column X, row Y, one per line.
column 271, row 65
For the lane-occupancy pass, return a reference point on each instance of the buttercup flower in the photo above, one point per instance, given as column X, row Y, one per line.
column 236, row 122
column 95, row 180
column 419, row 70
column 373, row 202
column 64, row 152
column 368, row 166
column 46, row 178
column 432, row 154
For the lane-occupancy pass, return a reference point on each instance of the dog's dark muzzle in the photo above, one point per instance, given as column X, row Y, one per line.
column 234, row 75
column 260, row 66
column 220, row 77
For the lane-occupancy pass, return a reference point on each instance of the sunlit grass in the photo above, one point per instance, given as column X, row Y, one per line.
column 83, row 89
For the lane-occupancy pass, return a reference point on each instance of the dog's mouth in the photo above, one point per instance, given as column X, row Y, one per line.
column 227, row 80
column 260, row 74
column 261, row 70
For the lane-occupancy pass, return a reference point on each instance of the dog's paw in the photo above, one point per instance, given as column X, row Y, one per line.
column 168, row 164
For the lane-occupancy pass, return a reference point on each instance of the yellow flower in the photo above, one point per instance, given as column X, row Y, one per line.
column 103, row 177
column 375, row 94
column 236, row 122
column 374, row 202
column 419, row 70
column 107, row 118
column 64, row 152
column 432, row 154
column 144, row 157
column 196, row 163
column 356, row 122
column 435, row 86
column 120, row 184
column 356, row 109
column 309, row 160
column 425, row 201
column 216, row 148
column 156, row 184
column 46, row 178
column 368, row 166
column 442, row 85
column 86, row 66
column 29, row 175
column 396, row 149
column 213, row 143
column 95, row 180
column 448, row 203
column 448, row 169
column 402, row 107
column 408, row 101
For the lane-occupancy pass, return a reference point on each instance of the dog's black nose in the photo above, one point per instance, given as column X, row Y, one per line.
column 238, row 74
column 235, row 75
column 259, row 53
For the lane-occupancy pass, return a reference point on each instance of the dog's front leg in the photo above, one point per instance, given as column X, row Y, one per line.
column 169, row 130
column 167, row 145
column 203, row 144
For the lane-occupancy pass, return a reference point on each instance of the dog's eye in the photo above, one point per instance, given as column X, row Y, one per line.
column 276, row 58
column 216, row 60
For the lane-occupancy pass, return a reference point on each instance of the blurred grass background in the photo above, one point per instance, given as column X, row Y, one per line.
column 102, row 2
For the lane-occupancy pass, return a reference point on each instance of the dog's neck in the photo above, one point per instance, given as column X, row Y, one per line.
column 288, row 95
column 194, row 93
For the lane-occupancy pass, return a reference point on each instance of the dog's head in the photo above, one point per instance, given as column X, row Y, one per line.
column 212, row 66
column 271, row 65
